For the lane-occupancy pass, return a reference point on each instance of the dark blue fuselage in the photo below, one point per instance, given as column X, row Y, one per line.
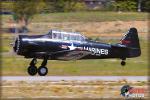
column 60, row 45
column 38, row 46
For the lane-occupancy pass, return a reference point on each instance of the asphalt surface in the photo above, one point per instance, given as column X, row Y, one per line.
column 73, row 78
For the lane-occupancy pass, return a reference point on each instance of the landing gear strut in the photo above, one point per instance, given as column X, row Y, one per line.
column 32, row 69
column 42, row 70
column 123, row 63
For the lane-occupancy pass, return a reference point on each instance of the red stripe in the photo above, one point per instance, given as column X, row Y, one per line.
column 125, row 41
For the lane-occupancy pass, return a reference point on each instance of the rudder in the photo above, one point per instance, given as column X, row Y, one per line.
column 131, row 41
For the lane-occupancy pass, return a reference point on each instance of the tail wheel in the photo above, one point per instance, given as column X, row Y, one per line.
column 32, row 70
column 123, row 63
column 42, row 71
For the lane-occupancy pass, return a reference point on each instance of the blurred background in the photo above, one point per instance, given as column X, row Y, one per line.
column 99, row 20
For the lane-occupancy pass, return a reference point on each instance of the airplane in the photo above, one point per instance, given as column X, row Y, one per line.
column 61, row 45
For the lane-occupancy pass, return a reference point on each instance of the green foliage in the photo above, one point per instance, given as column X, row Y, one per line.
column 21, row 7
column 125, row 5
column 6, row 6
column 58, row 5
column 79, row 6
column 24, row 10
column 65, row 5
column 145, row 5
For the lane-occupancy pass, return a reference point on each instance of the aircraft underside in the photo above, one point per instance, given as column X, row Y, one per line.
column 43, row 70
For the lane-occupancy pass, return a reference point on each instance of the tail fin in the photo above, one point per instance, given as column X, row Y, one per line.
column 131, row 40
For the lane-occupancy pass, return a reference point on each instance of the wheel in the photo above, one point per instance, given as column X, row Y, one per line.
column 123, row 63
column 42, row 71
column 32, row 70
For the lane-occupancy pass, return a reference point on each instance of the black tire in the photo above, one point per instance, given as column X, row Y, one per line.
column 123, row 63
column 32, row 70
column 42, row 71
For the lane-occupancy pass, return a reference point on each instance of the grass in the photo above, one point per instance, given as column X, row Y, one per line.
column 85, row 17
column 17, row 65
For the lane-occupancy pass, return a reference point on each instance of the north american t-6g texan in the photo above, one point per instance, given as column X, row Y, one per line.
column 61, row 45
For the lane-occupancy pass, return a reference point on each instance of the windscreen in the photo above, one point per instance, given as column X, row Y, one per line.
column 66, row 36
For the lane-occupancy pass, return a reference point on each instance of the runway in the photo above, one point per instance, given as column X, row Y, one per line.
column 69, row 87
column 73, row 78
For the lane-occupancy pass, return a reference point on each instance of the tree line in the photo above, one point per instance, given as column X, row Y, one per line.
column 23, row 10
column 48, row 6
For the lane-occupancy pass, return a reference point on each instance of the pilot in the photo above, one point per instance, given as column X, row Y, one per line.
column 50, row 35
column 54, row 35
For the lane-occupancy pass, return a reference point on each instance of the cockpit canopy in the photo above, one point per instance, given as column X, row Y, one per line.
column 66, row 36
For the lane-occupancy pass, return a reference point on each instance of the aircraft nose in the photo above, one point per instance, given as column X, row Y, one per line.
column 16, row 46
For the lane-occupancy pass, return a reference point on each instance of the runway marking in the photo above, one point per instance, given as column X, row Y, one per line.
column 73, row 78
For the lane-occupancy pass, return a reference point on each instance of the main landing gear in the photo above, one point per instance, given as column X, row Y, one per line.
column 33, row 70
column 123, row 63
